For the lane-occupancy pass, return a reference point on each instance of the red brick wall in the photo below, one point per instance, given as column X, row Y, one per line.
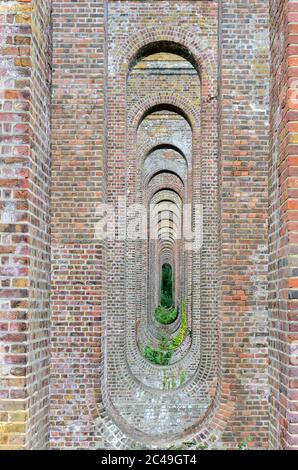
column 243, row 216
column 131, row 27
column 79, row 182
column 76, row 303
column 283, row 237
column 77, row 188
column 24, row 256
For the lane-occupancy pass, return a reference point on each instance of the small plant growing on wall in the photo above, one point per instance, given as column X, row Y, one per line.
column 175, row 343
column 155, row 356
column 166, row 316
column 174, row 382
column 213, row 445
column 164, row 355
column 178, row 340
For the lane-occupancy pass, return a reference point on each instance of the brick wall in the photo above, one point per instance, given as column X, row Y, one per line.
column 94, row 121
column 25, row 177
column 243, row 205
column 133, row 94
column 283, row 164
column 243, row 165
column 77, row 188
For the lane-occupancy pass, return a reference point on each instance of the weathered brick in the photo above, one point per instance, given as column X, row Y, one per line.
column 25, row 126
column 244, row 282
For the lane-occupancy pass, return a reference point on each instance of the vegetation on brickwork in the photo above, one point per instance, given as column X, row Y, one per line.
column 161, row 358
column 175, row 343
column 213, row 445
column 165, row 316
column 164, row 355
column 174, row 382
column 183, row 330
column 166, row 298
column 182, row 377
column 244, row 444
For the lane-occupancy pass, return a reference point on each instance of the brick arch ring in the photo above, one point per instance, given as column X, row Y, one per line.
column 160, row 181
column 160, row 144
column 184, row 108
column 148, row 37
column 180, row 104
column 160, row 99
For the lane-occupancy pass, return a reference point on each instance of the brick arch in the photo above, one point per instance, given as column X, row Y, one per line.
column 165, row 165
column 158, row 143
column 157, row 101
column 148, row 143
column 171, row 34
column 163, row 193
column 165, row 181
column 162, row 170
column 184, row 108
column 124, row 148
column 165, row 146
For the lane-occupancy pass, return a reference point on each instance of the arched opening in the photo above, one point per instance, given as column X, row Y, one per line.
column 164, row 47
column 165, row 148
column 167, row 286
column 162, row 168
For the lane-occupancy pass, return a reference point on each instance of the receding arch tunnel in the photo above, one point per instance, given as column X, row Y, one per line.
column 163, row 332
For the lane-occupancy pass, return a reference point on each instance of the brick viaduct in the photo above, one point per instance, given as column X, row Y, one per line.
column 172, row 111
